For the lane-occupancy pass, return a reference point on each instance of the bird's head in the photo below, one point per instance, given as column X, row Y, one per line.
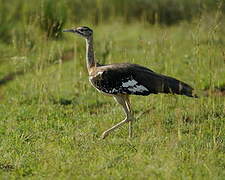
column 83, row 31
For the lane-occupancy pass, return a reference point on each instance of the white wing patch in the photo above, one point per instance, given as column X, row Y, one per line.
column 129, row 83
column 132, row 86
column 139, row 88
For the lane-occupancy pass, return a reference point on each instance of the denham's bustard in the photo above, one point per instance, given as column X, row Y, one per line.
column 124, row 79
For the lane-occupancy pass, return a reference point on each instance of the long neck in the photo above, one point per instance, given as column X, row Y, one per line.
column 90, row 58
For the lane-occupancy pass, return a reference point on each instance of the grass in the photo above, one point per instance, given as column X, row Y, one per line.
column 18, row 19
column 52, row 119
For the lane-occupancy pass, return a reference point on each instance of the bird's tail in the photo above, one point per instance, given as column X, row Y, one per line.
column 174, row 86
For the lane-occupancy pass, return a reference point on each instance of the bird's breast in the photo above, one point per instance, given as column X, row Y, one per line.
column 100, row 85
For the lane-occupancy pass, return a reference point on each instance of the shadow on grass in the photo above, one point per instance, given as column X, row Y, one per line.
column 11, row 76
column 216, row 91
column 63, row 101
column 65, row 57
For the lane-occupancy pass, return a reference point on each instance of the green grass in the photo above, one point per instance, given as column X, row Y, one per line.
column 51, row 119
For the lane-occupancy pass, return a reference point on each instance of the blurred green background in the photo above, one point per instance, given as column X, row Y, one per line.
column 51, row 119
column 50, row 16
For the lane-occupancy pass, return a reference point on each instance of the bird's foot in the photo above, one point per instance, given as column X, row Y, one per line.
column 105, row 134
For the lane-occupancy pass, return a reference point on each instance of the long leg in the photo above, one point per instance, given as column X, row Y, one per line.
column 127, row 101
column 132, row 118
column 124, row 101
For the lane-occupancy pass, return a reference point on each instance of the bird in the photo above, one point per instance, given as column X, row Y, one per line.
column 120, row 80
